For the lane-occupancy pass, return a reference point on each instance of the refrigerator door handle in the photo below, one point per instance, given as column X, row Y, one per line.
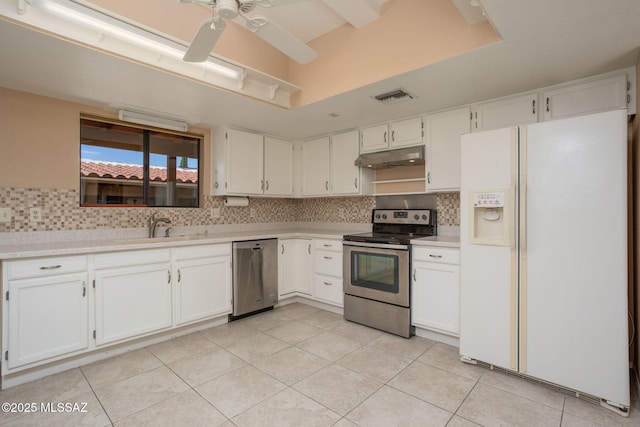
column 523, row 251
column 513, row 214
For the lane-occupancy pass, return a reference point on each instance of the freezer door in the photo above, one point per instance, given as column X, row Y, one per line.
column 488, row 271
column 573, row 329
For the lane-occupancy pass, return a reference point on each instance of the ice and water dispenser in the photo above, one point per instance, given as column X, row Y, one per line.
column 491, row 218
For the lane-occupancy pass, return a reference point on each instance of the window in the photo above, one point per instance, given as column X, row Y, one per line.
column 133, row 166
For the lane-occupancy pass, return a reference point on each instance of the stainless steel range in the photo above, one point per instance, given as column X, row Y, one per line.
column 377, row 269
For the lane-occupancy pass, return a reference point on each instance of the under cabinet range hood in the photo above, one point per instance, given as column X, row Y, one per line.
column 410, row 156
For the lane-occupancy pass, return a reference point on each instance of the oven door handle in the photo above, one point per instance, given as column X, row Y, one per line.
column 375, row 245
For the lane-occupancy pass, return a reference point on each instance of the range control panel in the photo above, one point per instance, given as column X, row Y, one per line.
column 402, row 216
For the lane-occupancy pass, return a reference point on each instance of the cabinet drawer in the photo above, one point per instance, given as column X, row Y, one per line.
column 328, row 245
column 436, row 254
column 202, row 251
column 46, row 266
column 329, row 289
column 329, row 263
column 129, row 258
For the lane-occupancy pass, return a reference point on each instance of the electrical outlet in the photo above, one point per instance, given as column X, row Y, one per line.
column 252, row 213
column 35, row 214
column 341, row 212
column 5, row 214
column 215, row 213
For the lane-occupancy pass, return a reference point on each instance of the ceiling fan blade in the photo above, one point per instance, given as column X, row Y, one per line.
column 279, row 38
column 202, row 44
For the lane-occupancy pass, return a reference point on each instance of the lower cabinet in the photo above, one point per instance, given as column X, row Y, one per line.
column 47, row 317
column 132, row 301
column 435, row 289
column 295, row 264
column 202, row 282
column 328, row 271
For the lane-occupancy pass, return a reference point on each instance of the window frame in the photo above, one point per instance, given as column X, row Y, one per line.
column 146, row 182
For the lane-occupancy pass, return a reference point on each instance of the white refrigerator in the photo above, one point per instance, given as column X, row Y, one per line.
column 544, row 253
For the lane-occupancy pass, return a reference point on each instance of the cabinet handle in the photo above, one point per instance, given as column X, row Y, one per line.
column 547, row 104
column 428, row 177
column 179, row 276
column 327, row 245
column 355, row 183
column 414, row 274
column 326, row 185
column 216, row 185
column 328, row 283
column 51, row 267
column 168, row 276
column 328, row 257
column 435, row 256
column 393, row 136
column 309, row 249
column 84, row 289
column 533, row 106
column 385, row 136
column 282, row 249
column 267, row 187
column 262, row 184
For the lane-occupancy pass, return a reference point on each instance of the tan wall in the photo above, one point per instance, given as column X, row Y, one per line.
column 410, row 34
column 40, row 142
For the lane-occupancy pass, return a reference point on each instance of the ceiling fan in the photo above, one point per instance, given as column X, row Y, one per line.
column 211, row 29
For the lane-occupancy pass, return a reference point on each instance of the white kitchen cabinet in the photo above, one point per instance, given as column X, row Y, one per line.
column 400, row 133
column 278, row 167
column 435, row 289
column 327, row 280
column 315, row 167
column 246, row 163
column 45, row 310
column 603, row 94
column 133, row 294
column 345, row 176
column 506, row 112
column 202, row 285
column 443, row 131
column 295, row 265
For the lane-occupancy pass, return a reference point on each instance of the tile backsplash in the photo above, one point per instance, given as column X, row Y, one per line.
column 61, row 211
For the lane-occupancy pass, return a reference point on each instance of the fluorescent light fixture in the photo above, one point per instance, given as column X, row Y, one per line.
column 121, row 30
column 151, row 120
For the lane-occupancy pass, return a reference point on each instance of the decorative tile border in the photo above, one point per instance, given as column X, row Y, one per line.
column 61, row 211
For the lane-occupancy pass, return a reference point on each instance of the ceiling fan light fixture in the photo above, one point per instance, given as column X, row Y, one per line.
column 227, row 9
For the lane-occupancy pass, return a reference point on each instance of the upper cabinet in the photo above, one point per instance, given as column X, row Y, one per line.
column 328, row 166
column 247, row 163
column 443, row 131
column 396, row 134
column 506, row 112
column 586, row 98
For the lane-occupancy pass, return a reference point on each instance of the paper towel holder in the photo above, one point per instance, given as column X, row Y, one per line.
column 232, row 201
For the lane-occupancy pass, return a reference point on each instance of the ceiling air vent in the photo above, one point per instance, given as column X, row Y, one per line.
column 394, row 96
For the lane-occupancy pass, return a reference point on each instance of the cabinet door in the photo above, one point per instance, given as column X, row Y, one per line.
column 294, row 266
column 586, row 98
column 203, row 288
column 132, row 301
column 47, row 317
column 278, row 167
column 244, row 162
column 516, row 111
column 435, row 297
column 375, row 138
column 406, row 132
column 443, row 148
column 315, row 167
column 345, row 176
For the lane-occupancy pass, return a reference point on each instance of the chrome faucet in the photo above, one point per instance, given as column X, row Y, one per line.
column 153, row 224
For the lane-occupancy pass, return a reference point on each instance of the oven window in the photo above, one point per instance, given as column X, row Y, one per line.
column 375, row 271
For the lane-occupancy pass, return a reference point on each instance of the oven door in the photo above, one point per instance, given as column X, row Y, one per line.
column 377, row 271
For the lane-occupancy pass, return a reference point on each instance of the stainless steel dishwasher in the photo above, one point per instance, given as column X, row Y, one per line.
column 255, row 276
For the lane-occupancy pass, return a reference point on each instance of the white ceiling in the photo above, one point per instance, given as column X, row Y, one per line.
column 545, row 42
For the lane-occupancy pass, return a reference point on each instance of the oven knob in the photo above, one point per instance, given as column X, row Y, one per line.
column 416, row 217
column 377, row 216
column 384, row 216
column 424, row 217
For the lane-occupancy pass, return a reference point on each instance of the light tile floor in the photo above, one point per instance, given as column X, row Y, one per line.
column 299, row 366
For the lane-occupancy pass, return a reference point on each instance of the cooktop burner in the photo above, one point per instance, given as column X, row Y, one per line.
column 398, row 226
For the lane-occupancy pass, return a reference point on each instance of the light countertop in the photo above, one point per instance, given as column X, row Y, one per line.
column 443, row 241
